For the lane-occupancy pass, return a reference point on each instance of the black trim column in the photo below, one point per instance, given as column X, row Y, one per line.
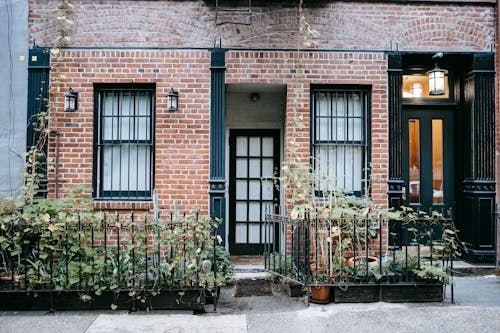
column 479, row 172
column 217, row 179
column 395, row 81
column 38, row 96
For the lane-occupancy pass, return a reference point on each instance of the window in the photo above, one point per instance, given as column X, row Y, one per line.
column 123, row 152
column 416, row 86
column 339, row 141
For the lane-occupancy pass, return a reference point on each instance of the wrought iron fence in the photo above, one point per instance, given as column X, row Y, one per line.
column 113, row 253
column 362, row 251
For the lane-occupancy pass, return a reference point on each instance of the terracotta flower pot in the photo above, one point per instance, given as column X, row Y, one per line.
column 361, row 261
column 320, row 294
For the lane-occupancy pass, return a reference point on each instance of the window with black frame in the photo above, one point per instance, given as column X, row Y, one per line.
column 339, row 139
column 123, row 151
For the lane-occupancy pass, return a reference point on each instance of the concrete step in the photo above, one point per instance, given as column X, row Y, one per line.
column 251, row 272
column 251, row 278
column 463, row 268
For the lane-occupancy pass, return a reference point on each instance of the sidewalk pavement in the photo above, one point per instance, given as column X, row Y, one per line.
column 476, row 309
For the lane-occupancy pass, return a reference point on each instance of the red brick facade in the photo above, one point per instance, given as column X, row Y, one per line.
column 424, row 25
column 181, row 138
column 168, row 43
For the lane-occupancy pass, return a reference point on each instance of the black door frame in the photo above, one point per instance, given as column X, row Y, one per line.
column 255, row 248
column 474, row 96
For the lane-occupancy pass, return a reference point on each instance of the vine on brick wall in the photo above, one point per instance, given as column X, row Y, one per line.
column 35, row 155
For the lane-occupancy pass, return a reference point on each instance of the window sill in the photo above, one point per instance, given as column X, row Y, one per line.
column 123, row 205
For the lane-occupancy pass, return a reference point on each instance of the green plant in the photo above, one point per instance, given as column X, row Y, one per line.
column 283, row 264
column 63, row 244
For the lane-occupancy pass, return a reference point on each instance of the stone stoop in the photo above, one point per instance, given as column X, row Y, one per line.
column 251, row 279
column 463, row 268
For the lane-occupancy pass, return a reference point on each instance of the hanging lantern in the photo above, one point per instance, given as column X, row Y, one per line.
column 436, row 78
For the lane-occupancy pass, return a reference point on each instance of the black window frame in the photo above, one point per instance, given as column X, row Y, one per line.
column 98, row 152
column 366, row 92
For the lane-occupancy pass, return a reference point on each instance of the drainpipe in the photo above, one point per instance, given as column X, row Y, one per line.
column 56, row 133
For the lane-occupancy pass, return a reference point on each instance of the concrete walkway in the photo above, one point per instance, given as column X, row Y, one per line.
column 477, row 309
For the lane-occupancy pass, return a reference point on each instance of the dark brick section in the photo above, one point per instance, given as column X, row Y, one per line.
column 342, row 25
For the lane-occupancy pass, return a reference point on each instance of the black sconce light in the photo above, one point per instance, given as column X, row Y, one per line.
column 173, row 100
column 71, row 101
column 436, row 77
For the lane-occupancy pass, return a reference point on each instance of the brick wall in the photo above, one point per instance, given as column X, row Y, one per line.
column 342, row 25
column 182, row 137
column 299, row 74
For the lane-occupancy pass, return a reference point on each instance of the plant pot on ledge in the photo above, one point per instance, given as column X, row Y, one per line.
column 320, row 294
column 361, row 261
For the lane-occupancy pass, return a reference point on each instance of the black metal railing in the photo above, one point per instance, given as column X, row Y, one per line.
column 112, row 253
column 354, row 251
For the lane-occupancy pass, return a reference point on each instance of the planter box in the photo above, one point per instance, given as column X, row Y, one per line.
column 393, row 293
column 293, row 289
column 356, row 294
column 421, row 292
column 168, row 299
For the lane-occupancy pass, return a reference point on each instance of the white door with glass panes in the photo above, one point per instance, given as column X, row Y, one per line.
column 254, row 161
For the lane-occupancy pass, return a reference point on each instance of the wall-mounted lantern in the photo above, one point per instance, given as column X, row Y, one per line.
column 71, row 101
column 173, row 100
column 436, row 78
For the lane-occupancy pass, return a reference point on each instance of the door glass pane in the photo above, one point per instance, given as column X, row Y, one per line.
column 241, row 232
column 437, row 160
column 254, row 192
column 254, row 211
column 241, row 211
column 414, row 159
column 241, row 168
column 241, row 146
column 254, row 146
column 267, row 168
column 254, row 168
column 267, row 190
column 267, row 146
column 241, row 189
column 254, row 233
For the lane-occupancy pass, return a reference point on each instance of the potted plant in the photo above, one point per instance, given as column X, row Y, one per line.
column 320, row 292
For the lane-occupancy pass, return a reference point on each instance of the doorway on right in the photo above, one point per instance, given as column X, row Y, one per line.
column 428, row 160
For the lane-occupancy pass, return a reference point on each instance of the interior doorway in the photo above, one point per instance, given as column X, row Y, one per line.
column 255, row 115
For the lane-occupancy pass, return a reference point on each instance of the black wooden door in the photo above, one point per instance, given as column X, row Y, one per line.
column 428, row 159
column 254, row 161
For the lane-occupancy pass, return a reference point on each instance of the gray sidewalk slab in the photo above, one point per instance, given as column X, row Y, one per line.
column 168, row 323
column 43, row 322
column 382, row 318
column 477, row 309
